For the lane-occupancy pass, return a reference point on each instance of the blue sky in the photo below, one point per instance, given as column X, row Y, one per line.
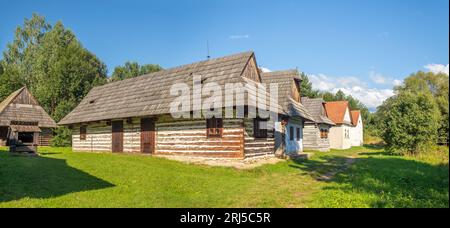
column 361, row 46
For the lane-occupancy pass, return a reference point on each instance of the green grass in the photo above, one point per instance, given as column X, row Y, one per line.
column 61, row 178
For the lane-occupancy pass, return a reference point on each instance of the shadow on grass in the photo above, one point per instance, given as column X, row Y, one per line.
column 42, row 177
column 395, row 181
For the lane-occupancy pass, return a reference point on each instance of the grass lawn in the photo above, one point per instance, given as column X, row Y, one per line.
column 62, row 178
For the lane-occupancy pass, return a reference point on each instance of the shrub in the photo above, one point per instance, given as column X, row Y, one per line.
column 62, row 137
column 409, row 122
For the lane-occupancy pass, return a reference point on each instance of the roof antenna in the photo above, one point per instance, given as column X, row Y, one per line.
column 207, row 50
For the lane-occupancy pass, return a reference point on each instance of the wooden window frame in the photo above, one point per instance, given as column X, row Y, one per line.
column 214, row 127
column 257, row 132
column 298, row 133
column 83, row 132
column 324, row 133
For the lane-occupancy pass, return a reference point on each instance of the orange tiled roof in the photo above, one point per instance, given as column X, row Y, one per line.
column 336, row 110
column 355, row 116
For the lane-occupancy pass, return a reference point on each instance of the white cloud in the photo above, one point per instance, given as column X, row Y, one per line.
column 235, row 37
column 377, row 78
column 265, row 70
column 383, row 80
column 396, row 82
column 437, row 68
column 371, row 97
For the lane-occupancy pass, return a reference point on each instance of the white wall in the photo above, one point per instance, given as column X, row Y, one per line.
column 357, row 138
column 340, row 137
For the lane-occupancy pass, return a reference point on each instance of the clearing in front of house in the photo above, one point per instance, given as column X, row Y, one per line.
column 358, row 177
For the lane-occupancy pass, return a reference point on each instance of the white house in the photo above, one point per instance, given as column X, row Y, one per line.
column 340, row 135
column 356, row 133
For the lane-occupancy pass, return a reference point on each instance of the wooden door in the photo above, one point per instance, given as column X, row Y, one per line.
column 147, row 136
column 117, row 136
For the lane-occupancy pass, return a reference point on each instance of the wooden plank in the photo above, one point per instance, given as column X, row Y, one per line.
column 117, row 136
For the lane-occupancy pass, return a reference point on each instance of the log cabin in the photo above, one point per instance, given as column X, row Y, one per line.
column 289, row 98
column 316, row 132
column 24, row 124
column 134, row 115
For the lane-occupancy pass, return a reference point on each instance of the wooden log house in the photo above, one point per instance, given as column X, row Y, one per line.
column 133, row 115
column 316, row 132
column 289, row 98
column 24, row 124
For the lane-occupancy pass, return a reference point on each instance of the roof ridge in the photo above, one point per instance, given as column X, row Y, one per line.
column 242, row 54
column 10, row 98
column 281, row 71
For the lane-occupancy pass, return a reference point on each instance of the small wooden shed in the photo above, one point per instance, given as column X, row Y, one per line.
column 24, row 124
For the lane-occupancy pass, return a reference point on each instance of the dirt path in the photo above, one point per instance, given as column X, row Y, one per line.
column 328, row 176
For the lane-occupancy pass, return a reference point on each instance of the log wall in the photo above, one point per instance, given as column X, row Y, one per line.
column 99, row 137
column 255, row 147
column 45, row 137
column 180, row 137
column 312, row 140
column 188, row 137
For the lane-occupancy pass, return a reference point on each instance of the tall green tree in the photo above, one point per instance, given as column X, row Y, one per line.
column 306, row 89
column 19, row 56
column 133, row 69
column 409, row 122
column 436, row 85
column 53, row 64
column 65, row 72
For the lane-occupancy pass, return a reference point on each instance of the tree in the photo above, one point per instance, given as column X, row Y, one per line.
column 340, row 96
column 53, row 64
column 409, row 121
column 133, row 69
column 436, row 85
column 65, row 72
column 306, row 89
column 19, row 55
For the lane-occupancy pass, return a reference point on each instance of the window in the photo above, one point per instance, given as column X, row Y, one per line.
column 214, row 128
column 291, row 133
column 347, row 134
column 83, row 133
column 260, row 128
column 323, row 133
column 298, row 134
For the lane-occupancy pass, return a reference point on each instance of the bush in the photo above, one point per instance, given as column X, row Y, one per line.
column 409, row 122
column 62, row 137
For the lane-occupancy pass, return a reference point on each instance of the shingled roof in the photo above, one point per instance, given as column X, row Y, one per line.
column 284, row 79
column 315, row 106
column 14, row 109
column 150, row 94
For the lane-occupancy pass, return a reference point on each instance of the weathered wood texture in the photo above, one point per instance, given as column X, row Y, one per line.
column 45, row 137
column 173, row 137
column 3, row 135
column 254, row 147
column 312, row 139
column 188, row 137
column 251, row 71
column 21, row 106
column 99, row 137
